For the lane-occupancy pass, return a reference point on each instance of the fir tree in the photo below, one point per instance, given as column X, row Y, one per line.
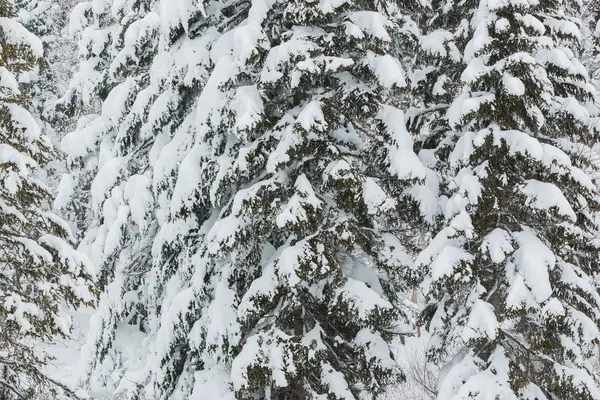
column 590, row 16
column 145, row 70
column 252, row 188
column 48, row 20
column 304, row 161
column 510, row 272
column 108, row 190
column 436, row 80
column 80, row 104
column 39, row 270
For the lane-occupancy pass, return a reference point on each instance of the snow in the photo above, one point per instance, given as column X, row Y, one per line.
column 559, row 58
column 14, row 33
column 532, row 22
column 372, row 23
column 106, row 178
column 239, row 44
column 176, row 13
column 445, row 238
column 403, row 162
column 79, row 143
column 447, row 261
column 281, row 55
column 544, row 195
column 329, row 6
column 469, row 190
column 37, row 252
column 265, row 287
column 268, row 349
column 248, row 107
column 65, row 192
column 335, row 382
column 467, row 103
column 375, row 348
column 438, row 88
column 361, row 298
column 295, row 211
column 318, row 64
column 387, row 69
column 482, row 322
column 9, row 81
column 140, row 199
column 433, row 42
column 8, row 155
column 454, row 374
column 259, row 10
column 497, row 244
column 574, row 108
column 527, row 145
column 23, row 120
column 533, row 261
column 220, row 318
column 502, row 25
column 312, row 116
column 491, row 383
column 77, row 19
column 513, row 86
column 67, row 368
column 213, row 382
column 21, row 311
column 75, row 260
column 188, row 179
column 374, row 197
column 579, row 377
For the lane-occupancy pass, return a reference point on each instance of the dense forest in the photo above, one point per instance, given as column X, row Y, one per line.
column 300, row 199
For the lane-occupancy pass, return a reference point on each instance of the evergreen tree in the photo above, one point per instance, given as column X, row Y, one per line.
column 111, row 155
column 591, row 39
column 80, row 103
column 48, row 20
column 439, row 64
column 305, row 169
column 510, row 272
column 252, row 185
column 39, row 270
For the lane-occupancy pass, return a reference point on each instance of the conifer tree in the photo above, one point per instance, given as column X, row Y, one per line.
column 439, row 64
column 252, row 185
column 510, row 272
column 144, row 62
column 39, row 270
column 126, row 112
column 48, row 20
column 305, row 162
column 590, row 17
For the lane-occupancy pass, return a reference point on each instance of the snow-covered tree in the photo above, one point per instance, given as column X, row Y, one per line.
column 253, row 185
column 81, row 100
column 590, row 16
column 108, row 191
column 510, row 272
column 299, row 182
column 39, row 270
column 47, row 20
column 438, row 66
